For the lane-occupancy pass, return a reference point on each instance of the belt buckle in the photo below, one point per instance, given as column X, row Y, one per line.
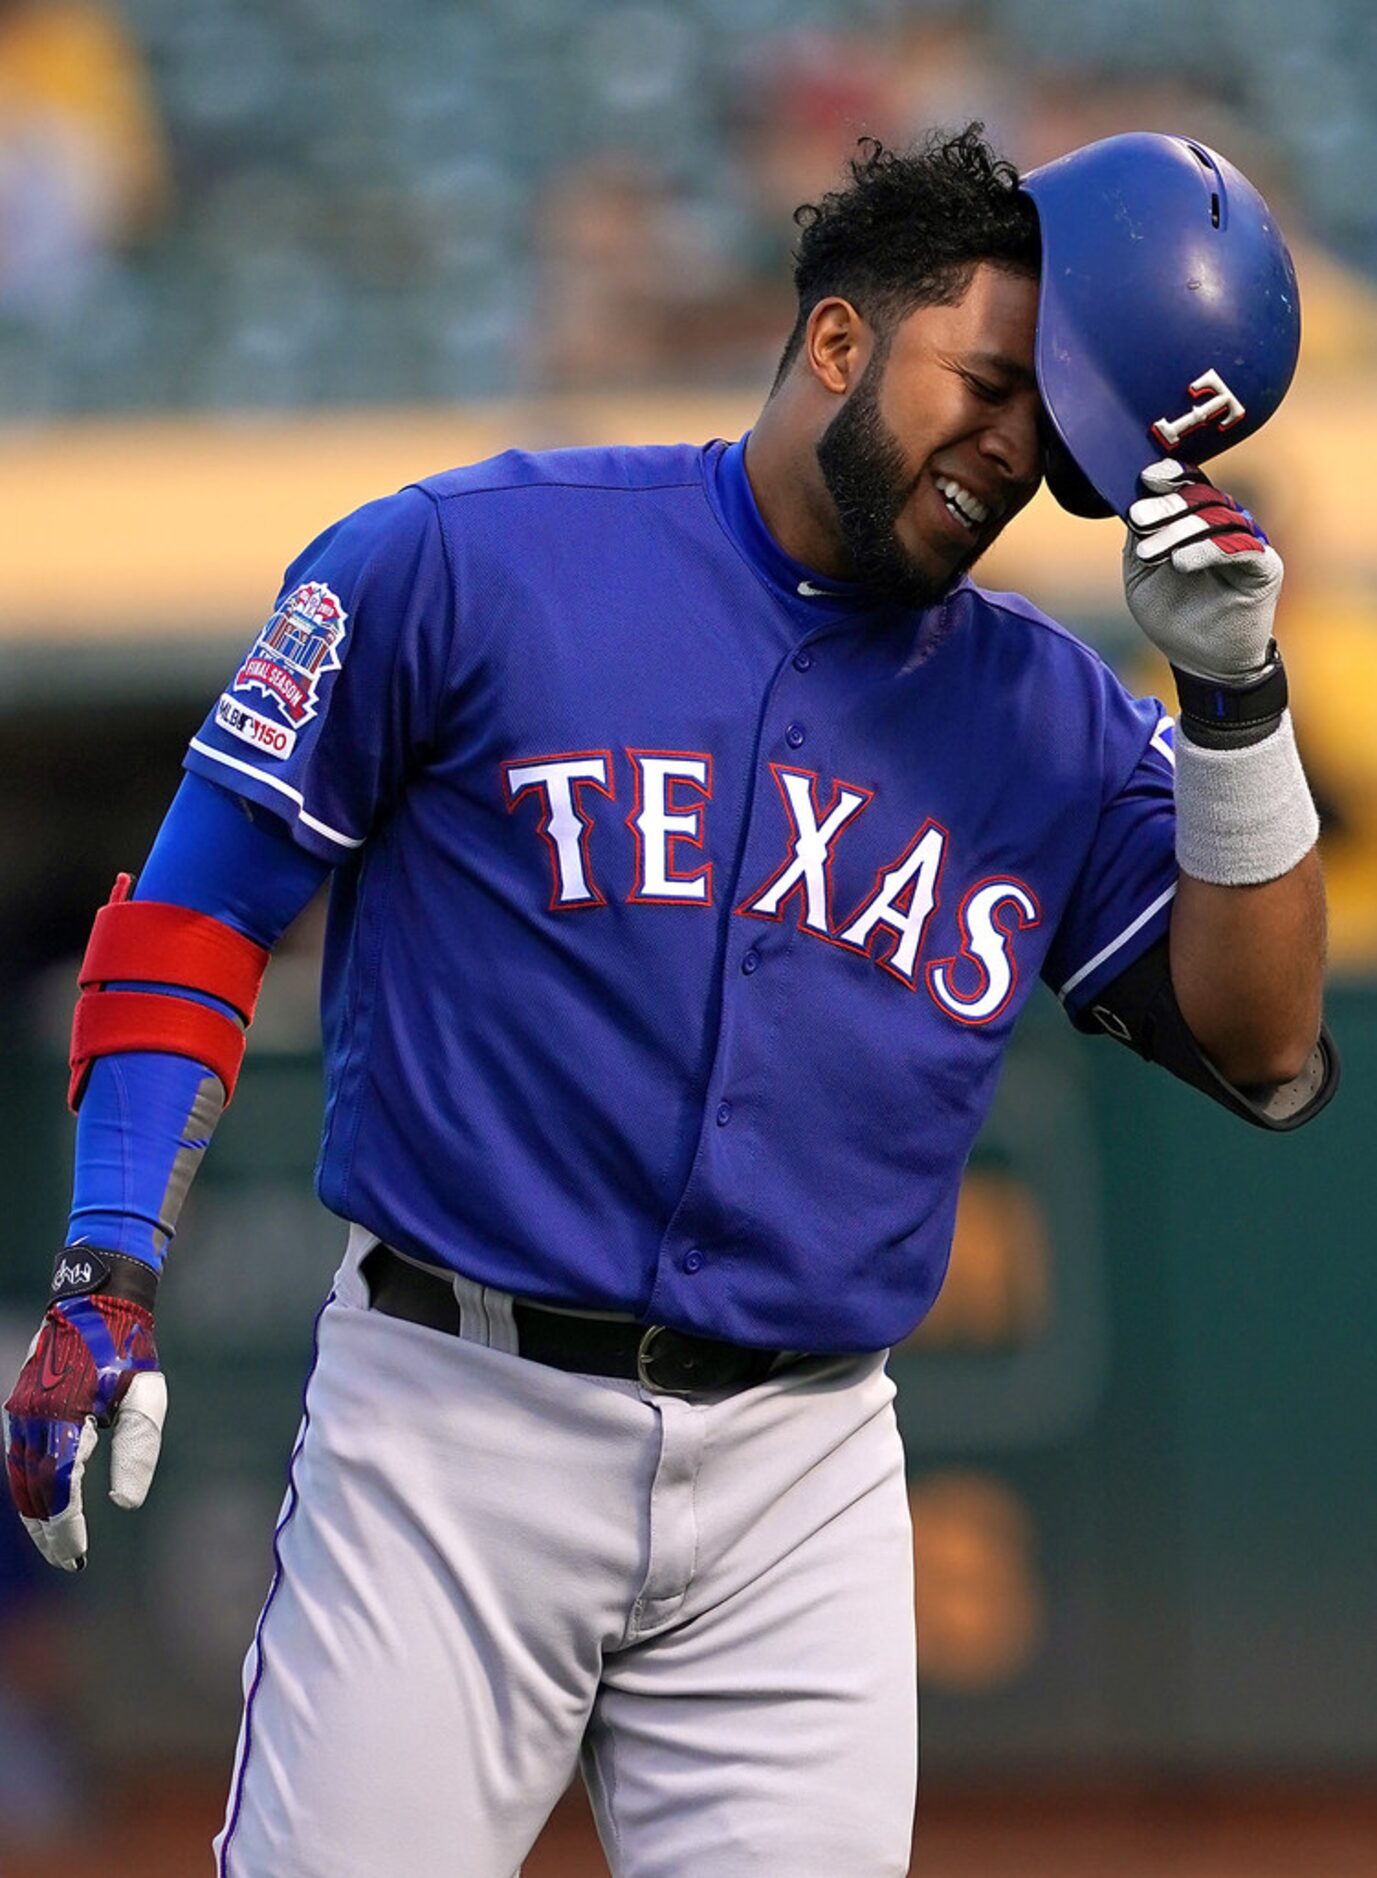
column 645, row 1361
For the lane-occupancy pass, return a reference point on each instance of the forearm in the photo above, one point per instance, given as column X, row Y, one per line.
column 1247, row 967
column 145, row 1121
column 1248, row 923
column 146, row 1117
column 168, row 989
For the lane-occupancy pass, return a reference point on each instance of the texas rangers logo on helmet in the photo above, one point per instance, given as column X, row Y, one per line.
column 1218, row 406
column 295, row 650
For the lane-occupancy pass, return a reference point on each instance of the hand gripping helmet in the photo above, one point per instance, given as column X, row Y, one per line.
column 1168, row 316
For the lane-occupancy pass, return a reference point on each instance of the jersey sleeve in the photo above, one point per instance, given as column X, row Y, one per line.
column 1121, row 901
column 337, row 697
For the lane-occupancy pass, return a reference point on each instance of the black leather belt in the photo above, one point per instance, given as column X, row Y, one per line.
column 672, row 1362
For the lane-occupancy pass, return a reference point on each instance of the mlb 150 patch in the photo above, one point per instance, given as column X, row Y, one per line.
column 288, row 662
column 272, row 739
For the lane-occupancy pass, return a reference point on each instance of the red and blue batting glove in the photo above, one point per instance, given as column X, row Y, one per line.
column 93, row 1365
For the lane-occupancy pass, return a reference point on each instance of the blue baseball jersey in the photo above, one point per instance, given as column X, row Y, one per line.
column 684, row 899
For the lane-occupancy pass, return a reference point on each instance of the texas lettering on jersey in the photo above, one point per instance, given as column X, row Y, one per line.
column 672, row 791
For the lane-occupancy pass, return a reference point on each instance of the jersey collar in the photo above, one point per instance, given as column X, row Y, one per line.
column 812, row 598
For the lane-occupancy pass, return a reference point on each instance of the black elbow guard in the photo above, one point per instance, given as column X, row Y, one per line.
column 1139, row 1009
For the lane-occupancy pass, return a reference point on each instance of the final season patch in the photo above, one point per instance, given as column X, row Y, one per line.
column 293, row 653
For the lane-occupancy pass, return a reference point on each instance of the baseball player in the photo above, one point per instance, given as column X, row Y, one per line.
column 697, row 830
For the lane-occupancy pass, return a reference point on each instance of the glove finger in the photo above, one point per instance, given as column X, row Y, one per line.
column 1215, row 520
column 1165, row 473
column 1159, row 545
column 61, row 1539
column 37, row 1530
column 1150, row 512
column 137, row 1438
column 1252, row 560
column 41, row 1456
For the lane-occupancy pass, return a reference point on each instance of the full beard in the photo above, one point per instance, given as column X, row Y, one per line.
column 864, row 470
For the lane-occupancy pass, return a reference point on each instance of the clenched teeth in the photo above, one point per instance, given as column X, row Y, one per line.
column 971, row 508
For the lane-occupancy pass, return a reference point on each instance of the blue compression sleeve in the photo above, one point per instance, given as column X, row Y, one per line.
column 146, row 1118
column 221, row 855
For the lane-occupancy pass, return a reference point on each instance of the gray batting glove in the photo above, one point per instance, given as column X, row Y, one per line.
column 1200, row 577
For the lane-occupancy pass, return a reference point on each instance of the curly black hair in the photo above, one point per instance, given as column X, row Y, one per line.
column 909, row 228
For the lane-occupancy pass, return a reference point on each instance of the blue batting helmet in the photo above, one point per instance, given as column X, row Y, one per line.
column 1168, row 316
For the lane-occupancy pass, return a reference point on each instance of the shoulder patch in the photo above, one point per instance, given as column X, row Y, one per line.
column 264, row 733
column 295, row 650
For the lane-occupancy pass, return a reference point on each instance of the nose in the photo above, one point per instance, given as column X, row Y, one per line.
column 1013, row 441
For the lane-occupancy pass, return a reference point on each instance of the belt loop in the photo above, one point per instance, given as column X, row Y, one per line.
column 485, row 1315
column 473, row 1319
column 501, row 1316
column 350, row 1285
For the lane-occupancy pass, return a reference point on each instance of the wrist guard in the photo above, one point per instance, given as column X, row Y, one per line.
column 1243, row 814
column 83, row 1271
column 1220, row 714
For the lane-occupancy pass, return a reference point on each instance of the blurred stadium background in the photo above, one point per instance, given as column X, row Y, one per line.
column 261, row 260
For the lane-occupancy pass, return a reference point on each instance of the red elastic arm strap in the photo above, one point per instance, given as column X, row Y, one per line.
column 171, row 945
column 165, row 945
column 108, row 1022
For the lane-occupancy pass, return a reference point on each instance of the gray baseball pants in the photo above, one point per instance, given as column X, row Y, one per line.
column 488, row 1570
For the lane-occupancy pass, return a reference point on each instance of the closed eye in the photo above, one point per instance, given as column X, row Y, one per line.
column 984, row 390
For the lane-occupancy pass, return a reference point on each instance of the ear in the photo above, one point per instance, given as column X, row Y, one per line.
column 837, row 345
